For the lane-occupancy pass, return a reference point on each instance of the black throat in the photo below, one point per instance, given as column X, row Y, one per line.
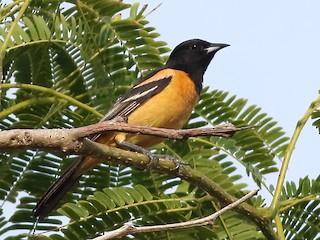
column 195, row 73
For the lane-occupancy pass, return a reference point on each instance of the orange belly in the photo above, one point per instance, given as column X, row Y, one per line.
column 162, row 112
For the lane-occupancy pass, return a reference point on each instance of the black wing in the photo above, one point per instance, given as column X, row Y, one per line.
column 136, row 97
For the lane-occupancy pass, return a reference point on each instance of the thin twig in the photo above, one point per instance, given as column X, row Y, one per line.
column 129, row 229
column 225, row 130
column 289, row 150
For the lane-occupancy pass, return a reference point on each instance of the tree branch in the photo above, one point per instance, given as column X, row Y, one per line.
column 73, row 141
column 70, row 140
column 129, row 229
column 186, row 172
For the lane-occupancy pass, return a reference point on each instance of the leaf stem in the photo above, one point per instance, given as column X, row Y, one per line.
column 276, row 198
column 287, row 204
column 14, row 6
column 24, row 104
column 57, row 94
column 279, row 228
column 15, row 22
column 120, row 208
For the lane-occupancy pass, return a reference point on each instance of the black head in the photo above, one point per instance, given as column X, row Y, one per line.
column 193, row 57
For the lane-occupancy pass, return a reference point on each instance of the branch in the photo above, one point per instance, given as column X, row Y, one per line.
column 287, row 156
column 71, row 140
column 129, row 229
column 140, row 161
column 1, row 72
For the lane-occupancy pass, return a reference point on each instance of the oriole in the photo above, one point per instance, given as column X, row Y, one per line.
column 165, row 99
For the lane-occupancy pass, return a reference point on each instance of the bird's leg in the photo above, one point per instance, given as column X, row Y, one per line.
column 133, row 147
column 154, row 158
column 175, row 160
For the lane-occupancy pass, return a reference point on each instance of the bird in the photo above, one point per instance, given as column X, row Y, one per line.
column 165, row 98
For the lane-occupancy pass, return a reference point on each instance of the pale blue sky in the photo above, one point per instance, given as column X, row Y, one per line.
column 273, row 59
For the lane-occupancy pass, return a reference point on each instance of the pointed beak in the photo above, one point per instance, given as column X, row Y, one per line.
column 215, row 47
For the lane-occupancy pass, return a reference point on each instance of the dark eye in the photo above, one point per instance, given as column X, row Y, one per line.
column 196, row 47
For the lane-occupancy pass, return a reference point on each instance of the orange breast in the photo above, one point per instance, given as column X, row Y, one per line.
column 170, row 108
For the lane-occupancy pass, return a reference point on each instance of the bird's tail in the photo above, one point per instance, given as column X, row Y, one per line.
column 57, row 190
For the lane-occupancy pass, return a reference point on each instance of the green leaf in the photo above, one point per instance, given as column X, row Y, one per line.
column 300, row 212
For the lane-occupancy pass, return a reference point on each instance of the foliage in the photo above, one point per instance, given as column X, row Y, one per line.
column 63, row 65
column 301, row 211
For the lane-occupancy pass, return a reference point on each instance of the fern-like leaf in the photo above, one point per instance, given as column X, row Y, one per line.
column 300, row 213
